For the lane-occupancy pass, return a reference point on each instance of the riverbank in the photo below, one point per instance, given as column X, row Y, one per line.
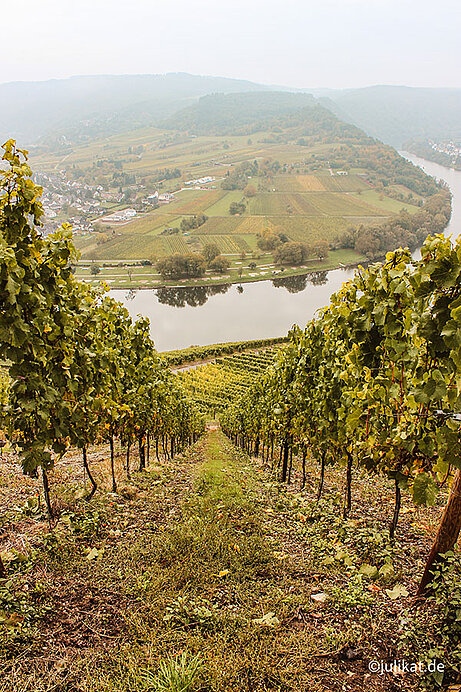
column 135, row 277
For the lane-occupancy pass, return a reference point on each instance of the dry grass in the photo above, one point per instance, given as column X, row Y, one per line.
column 215, row 528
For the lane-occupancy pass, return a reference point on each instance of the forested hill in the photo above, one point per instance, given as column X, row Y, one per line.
column 101, row 105
column 234, row 113
column 392, row 114
column 396, row 114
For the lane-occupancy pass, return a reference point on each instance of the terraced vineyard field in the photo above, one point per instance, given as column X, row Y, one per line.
column 298, row 228
column 252, row 225
column 174, row 243
column 227, row 245
column 277, row 204
column 341, row 204
column 299, row 183
column 213, row 385
column 219, row 225
column 344, row 183
column 130, row 246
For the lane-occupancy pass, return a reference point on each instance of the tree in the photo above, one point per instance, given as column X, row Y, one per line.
column 268, row 240
column 95, row 269
column 220, row 264
column 291, row 254
column 188, row 224
column 319, row 249
column 210, row 251
column 179, row 266
column 237, row 208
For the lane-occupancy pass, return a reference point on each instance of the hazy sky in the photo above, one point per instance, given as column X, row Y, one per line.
column 302, row 43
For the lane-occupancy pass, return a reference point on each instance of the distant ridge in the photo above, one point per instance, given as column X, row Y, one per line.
column 100, row 105
column 83, row 108
column 396, row 114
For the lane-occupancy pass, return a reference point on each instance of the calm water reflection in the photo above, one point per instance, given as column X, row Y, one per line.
column 202, row 315
column 181, row 317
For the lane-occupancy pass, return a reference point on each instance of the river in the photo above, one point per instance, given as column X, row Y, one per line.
column 198, row 316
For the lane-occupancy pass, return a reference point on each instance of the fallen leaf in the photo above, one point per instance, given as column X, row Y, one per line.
column 222, row 573
column 397, row 592
column 373, row 587
column 386, row 570
column 94, row 554
column 320, row 597
column 368, row 570
column 269, row 620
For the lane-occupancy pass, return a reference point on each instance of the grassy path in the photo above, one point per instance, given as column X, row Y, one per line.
column 204, row 558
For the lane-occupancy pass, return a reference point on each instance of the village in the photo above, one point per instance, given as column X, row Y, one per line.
column 451, row 149
column 83, row 205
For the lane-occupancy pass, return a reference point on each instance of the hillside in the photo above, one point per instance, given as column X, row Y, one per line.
column 397, row 114
column 82, row 108
column 147, row 547
column 239, row 113
column 208, row 555
column 239, row 167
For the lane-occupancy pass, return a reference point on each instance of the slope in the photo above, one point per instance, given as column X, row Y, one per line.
column 396, row 114
column 206, row 556
column 100, row 105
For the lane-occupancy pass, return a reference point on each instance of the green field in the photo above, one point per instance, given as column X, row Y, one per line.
column 391, row 205
column 195, row 201
column 221, row 206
